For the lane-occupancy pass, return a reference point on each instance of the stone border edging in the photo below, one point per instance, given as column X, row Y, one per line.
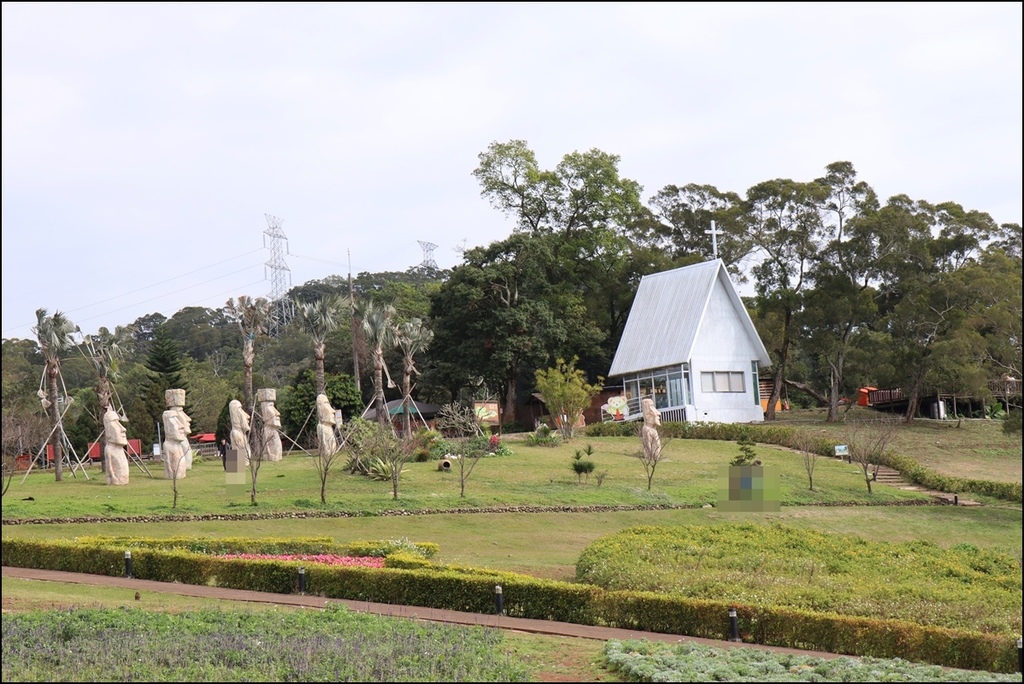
column 392, row 513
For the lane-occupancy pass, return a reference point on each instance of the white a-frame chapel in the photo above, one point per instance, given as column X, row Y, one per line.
column 690, row 345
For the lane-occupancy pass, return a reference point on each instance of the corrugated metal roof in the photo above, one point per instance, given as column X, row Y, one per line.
column 666, row 314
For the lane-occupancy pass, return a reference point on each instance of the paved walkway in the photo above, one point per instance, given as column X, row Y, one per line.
column 412, row 612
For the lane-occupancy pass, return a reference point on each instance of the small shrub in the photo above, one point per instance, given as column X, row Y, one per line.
column 581, row 466
column 747, row 454
column 1012, row 423
column 543, row 436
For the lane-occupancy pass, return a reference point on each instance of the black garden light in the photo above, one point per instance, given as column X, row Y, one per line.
column 734, row 627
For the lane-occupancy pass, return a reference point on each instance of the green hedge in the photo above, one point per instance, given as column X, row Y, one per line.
column 786, row 436
column 466, row 589
column 272, row 546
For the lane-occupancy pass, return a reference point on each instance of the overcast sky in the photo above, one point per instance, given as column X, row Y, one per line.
column 143, row 144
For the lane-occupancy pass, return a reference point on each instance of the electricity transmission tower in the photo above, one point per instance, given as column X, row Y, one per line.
column 428, row 255
column 280, row 274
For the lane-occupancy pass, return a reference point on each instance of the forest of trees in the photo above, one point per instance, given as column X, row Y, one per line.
column 848, row 291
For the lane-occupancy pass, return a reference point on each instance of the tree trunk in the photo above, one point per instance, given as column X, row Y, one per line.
column 378, row 388
column 407, row 403
column 58, row 431
column 318, row 356
column 510, row 400
column 103, row 393
column 833, row 392
column 777, row 380
column 248, row 356
column 806, row 389
column 914, row 398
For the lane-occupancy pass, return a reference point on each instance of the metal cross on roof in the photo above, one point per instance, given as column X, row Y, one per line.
column 714, row 239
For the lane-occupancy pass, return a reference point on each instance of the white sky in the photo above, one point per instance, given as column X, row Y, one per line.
column 144, row 143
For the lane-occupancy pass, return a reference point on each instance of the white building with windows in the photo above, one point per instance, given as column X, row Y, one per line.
column 689, row 344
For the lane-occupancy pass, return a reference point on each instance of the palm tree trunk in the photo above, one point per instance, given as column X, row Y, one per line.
column 318, row 356
column 248, row 356
column 378, row 388
column 103, row 393
column 55, row 438
column 407, row 403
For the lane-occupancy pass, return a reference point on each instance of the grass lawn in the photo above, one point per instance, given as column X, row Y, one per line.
column 532, row 476
column 972, row 448
column 511, row 536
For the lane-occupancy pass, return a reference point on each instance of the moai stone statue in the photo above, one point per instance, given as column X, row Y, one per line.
column 326, row 441
column 649, row 436
column 116, row 439
column 272, row 450
column 239, row 429
column 173, row 453
column 175, row 399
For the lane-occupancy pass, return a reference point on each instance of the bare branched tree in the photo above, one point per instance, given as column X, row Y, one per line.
column 867, row 440
column 652, row 440
column 809, row 446
column 381, row 455
column 458, row 423
column 324, row 460
column 256, row 452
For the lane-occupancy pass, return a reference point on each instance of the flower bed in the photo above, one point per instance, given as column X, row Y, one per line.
column 322, row 558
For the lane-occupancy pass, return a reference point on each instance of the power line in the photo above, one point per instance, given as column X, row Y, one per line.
column 165, row 294
column 146, row 287
column 324, row 261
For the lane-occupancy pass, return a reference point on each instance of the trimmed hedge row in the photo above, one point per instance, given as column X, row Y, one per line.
column 472, row 590
column 292, row 545
column 786, row 436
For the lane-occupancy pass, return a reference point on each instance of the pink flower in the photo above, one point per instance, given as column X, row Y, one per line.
column 324, row 558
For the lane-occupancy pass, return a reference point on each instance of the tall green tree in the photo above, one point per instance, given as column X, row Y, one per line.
column 591, row 219
column 786, row 229
column 566, row 393
column 55, row 336
column 165, row 367
column 493, row 320
column 685, row 214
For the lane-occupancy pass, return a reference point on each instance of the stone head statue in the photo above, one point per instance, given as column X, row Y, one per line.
column 239, row 418
column 174, row 397
column 271, row 416
column 174, row 429
column 113, row 430
column 652, row 416
column 324, row 410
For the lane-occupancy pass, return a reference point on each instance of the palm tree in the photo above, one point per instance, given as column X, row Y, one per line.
column 106, row 350
column 379, row 332
column 412, row 338
column 54, row 336
column 319, row 319
column 253, row 317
